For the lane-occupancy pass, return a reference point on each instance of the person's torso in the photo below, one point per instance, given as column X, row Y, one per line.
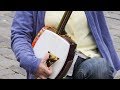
column 77, row 27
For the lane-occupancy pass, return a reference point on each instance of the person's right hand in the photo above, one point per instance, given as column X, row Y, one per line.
column 43, row 72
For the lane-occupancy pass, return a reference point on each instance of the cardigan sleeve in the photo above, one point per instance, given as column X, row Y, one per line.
column 21, row 39
column 107, row 39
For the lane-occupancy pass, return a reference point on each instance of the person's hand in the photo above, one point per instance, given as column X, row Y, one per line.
column 43, row 72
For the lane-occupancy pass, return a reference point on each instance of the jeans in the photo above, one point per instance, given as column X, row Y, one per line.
column 94, row 68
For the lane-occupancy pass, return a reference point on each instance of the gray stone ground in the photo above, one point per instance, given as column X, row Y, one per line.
column 9, row 67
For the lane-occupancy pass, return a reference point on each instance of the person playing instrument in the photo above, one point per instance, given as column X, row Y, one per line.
column 96, row 57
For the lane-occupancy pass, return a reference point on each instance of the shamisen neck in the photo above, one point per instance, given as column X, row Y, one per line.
column 63, row 22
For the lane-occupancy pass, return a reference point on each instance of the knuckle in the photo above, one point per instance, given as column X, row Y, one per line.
column 50, row 72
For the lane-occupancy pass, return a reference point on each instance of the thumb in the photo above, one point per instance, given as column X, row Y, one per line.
column 46, row 57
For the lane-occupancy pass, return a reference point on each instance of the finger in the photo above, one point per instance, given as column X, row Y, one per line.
column 45, row 70
column 48, row 71
column 42, row 77
column 46, row 57
column 50, row 68
column 45, row 74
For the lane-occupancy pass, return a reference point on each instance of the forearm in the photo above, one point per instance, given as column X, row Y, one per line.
column 25, row 55
column 21, row 39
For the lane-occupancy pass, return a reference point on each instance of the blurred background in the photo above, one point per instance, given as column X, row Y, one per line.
column 9, row 67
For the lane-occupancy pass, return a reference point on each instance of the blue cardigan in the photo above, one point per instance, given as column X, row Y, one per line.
column 26, row 24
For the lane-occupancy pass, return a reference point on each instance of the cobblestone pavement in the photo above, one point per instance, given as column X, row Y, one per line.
column 9, row 67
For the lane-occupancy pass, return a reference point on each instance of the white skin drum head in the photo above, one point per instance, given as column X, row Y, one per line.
column 50, row 41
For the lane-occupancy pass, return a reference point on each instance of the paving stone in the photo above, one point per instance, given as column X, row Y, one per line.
column 15, row 76
column 6, row 72
column 2, row 58
column 7, row 53
column 1, row 68
column 4, row 77
column 8, row 63
column 18, row 70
